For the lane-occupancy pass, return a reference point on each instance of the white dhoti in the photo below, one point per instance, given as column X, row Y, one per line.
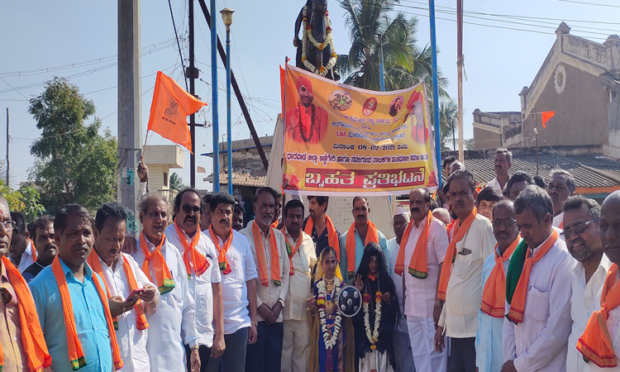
column 375, row 361
column 295, row 345
column 422, row 339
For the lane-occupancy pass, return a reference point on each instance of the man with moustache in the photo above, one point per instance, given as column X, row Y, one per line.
column 43, row 233
column 199, row 256
column 560, row 187
column 173, row 324
column 581, row 231
column 600, row 342
column 22, row 346
column 72, row 303
column 22, row 252
column 353, row 242
column 307, row 122
column 271, row 259
column 237, row 217
column 320, row 227
column 302, row 260
column 538, row 290
column 420, row 256
column 236, row 265
column 489, row 351
column 503, row 162
column 122, row 276
column 459, row 285
column 517, row 183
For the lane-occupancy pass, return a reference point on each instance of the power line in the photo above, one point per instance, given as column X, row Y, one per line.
column 178, row 44
column 585, row 3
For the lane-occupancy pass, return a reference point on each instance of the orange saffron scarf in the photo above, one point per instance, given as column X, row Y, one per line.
column 517, row 304
column 332, row 234
column 372, row 235
column 221, row 255
column 262, row 258
column 494, row 292
column 459, row 234
column 76, row 355
column 292, row 251
column 33, row 251
column 165, row 282
column 418, row 266
column 33, row 341
column 199, row 261
column 95, row 264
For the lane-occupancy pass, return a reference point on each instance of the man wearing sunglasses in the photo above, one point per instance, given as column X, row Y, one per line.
column 581, row 231
column 201, row 265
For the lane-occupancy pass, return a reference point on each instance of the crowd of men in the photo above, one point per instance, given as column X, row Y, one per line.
column 518, row 276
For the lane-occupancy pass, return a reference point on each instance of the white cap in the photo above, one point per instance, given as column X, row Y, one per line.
column 401, row 210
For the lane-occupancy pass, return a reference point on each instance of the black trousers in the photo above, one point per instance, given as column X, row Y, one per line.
column 462, row 356
column 205, row 354
column 266, row 354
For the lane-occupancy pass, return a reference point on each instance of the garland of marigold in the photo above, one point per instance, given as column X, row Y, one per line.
column 329, row 40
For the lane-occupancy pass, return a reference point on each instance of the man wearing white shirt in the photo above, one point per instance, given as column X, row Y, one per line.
column 21, row 252
column 581, row 231
column 422, row 308
column 503, row 162
column 173, row 324
column 402, row 345
column 302, row 258
column 269, row 251
column 560, row 187
column 538, row 323
column 114, row 266
column 200, row 259
column 236, row 265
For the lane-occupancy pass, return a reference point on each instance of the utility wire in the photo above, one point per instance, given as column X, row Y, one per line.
column 178, row 44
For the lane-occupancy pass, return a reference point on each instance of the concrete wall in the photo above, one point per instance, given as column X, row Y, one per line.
column 484, row 139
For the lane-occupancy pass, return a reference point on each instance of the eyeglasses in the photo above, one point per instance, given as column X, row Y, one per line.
column 189, row 209
column 9, row 225
column 506, row 223
column 577, row 229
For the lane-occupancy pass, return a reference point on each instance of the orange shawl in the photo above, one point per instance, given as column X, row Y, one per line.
column 76, row 355
column 292, row 251
column 517, row 305
column 332, row 234
column 199, row 261
column 494, row 292
column 372, row 235
column 165, row 282
column 418, row 266
column 595, row 343
column 33, row 341
column 33, row 251
column 262, row 258
column 459, row 233
column 221, row 255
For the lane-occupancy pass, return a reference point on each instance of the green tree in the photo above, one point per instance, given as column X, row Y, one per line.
column 448, row 122
column 75, row 164
column 469, row 144
column 176, row 183
column 25, row 200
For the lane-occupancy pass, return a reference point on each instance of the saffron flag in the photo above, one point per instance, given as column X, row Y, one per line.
column 546, row 116
column 169, row 110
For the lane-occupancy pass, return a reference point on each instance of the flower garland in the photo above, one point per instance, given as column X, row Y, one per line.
column 330, row 342
column 329, row 40
column 374, row 336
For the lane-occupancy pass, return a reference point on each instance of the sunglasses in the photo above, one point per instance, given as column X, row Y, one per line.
column 189, row 209
column 578, row 229
column 506, row 223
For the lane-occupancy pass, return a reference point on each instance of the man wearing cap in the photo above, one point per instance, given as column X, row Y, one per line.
column 307, row 122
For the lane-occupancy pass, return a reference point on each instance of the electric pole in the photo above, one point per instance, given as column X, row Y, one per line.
column 459, row 63
column 7, row 147
column 192, row 74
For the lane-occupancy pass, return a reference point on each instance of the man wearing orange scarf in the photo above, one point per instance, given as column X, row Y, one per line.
column 203, row 274
column 538, row 290
column 489, row 352
column 269, row 251
column 19, row 321
column 174, row 320
column 353, row 242
column 122, row 275
column 421, row 254
column 307, row 122
column 460, row 284
column 320, row 227
column 71, row 299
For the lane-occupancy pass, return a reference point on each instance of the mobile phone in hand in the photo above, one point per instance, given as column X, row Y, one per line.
column 133, row 296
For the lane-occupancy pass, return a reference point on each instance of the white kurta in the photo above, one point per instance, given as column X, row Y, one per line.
column 495, row 183
column 200, row 287
column 299, row 284
column 131, row 340
column 27, row 258
column 173, row 324
column 557, row 220
column 540, row 342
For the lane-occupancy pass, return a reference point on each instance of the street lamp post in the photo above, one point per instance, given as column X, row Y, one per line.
column 227, row 17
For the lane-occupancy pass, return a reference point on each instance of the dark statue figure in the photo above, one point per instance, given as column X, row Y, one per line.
column 322, row 61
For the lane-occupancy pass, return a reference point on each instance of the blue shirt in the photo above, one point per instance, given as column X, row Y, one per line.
column 89, row 315
column 359, row 252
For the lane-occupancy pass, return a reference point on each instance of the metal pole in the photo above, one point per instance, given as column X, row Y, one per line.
column 381, row 77
column 7, row 147
column 536, row 133
column 192, row 91
column 216, row 132
column 435, row 88
column 228, row 113
column 459, row 63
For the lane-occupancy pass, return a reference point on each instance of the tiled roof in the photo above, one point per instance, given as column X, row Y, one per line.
column 244, row 178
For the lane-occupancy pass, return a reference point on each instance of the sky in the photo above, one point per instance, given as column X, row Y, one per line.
column 504, row 43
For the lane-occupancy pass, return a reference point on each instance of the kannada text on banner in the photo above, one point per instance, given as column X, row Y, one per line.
column 351, row 141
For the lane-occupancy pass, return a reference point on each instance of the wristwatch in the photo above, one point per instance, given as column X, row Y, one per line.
column 255, row 323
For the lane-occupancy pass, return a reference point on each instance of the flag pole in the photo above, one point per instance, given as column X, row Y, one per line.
column 435, row 89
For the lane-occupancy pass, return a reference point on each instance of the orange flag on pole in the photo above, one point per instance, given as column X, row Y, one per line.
column 546, row 116
column 169, row 110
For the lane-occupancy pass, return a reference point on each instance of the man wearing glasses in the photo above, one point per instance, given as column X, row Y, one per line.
column 581, row 231
column 201, row 266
